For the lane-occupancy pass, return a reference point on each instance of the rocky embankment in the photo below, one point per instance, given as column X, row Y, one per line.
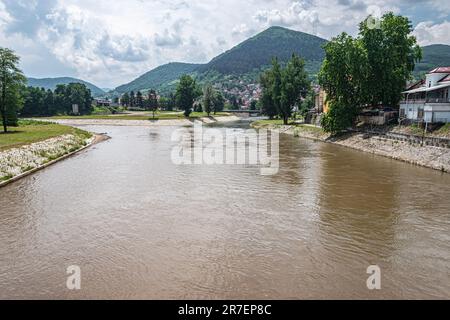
column 16, row 162
column 427, row 156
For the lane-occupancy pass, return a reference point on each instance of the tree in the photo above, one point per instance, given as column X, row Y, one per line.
column 125, row 100
column 11, row 81
column 284, row 88
column 391, row 53
column 152, row 102
column 343, row 77
column 139, row 100
column 132, row 99
column 208, row 99
column 219, row 102
column 266, row 101
column 369, row 70
column 253, row 105
column 186, row 94
column 294, row 86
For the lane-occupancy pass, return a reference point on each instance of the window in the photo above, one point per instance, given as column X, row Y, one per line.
column 402, row 113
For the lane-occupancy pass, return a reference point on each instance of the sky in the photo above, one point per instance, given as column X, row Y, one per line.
column 110, row 43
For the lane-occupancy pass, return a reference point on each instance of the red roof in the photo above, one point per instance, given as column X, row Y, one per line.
column 445, row 79
column 441, row 70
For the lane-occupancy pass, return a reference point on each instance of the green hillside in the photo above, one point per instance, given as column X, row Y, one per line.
column 242, row 63
column 437, row 55
column 51, row 83
column 258, row 51
column 161, row 79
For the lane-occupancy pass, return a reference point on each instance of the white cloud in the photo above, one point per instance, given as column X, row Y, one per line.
column 429, row 33
column 111, row 42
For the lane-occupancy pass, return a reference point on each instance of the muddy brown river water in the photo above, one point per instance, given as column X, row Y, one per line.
column 141, row 227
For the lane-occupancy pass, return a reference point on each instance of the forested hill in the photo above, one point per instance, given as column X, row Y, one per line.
column 437, row 55
column 51, row 83
column 258, row 51
column 159, row 78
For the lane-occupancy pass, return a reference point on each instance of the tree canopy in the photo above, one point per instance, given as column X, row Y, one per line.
column 369, row 70
column 11, row 80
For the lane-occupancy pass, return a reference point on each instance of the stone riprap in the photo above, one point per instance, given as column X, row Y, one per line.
column 16, row 161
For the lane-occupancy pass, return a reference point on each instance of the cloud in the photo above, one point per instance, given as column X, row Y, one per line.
column 429, row 33
column 111, row 42
column 168, row 39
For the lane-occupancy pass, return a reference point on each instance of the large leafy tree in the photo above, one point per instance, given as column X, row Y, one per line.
column 392, row 52
column 186, row 94
column 11, row 81
column 284, row 88
column 294, row 87
column 343, row 76
column 369, row 70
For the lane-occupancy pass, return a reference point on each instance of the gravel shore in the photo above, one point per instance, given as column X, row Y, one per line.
column 18, row 161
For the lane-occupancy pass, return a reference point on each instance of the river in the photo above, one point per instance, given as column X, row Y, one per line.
column 141, row 227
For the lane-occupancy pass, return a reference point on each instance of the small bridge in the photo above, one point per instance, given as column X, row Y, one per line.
column 245, row 113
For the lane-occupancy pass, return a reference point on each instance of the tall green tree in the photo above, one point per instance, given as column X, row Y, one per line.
column 186, row 94
column 152, row 102
column 284, row 88
column 343, row 75
column 11, row 82
column 219, row 102
column 392, row 52
column 139, row 100
column 208, row 99
column 266, row 102
column 125, row 100
column 294, row 87
column 369, row 70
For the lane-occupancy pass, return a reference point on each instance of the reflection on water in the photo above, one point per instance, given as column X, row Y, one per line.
column 141, row 227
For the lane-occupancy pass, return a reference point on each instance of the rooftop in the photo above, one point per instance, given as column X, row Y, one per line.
column 440, row 70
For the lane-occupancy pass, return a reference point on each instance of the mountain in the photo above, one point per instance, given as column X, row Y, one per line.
column 160, row 79
column 258, row 51
column 437, row 55
column 51, row 83
column 242, row 64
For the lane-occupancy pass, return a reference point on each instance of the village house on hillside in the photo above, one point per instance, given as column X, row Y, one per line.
column 429, row 99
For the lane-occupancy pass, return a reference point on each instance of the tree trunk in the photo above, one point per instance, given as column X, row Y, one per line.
column 5, row 126
column 285, row 120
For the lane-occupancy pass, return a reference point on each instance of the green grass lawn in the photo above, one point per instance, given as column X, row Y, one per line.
column 34, row 131
column 172, row 115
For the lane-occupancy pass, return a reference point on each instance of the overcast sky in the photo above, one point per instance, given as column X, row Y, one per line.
column 112, row 42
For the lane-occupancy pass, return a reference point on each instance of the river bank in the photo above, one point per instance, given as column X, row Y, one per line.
column 141, row 123
column 426, row 156
column 18, row 162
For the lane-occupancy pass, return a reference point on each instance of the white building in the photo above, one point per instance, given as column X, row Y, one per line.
column 429, row 99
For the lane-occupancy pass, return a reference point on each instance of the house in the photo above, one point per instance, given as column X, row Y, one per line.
column 100, row 102
column 429, row 99
column 321, row 104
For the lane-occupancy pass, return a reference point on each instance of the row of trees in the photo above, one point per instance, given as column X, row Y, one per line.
column 283, row 88
column 16, row 98
column 188, row 92
column 369, row 70
column 41, row 102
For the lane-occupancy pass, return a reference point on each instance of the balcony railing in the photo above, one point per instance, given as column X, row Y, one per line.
column 428, row 100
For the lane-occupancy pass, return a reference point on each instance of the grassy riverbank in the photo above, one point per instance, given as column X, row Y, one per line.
column 34, row 145
column 30, row 131
column 146, row 116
